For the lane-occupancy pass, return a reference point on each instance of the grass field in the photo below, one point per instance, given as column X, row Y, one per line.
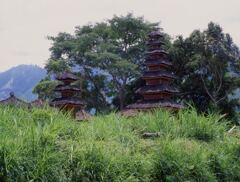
column 46, row 145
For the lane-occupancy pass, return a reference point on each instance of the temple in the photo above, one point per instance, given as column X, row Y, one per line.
column 13, row 100
column 159, row 90
column 68, row 100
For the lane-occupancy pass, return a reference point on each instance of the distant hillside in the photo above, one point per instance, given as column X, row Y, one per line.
column 21, row 80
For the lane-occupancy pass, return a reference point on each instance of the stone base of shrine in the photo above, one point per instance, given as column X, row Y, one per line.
column 82, row 116
column 143, row 106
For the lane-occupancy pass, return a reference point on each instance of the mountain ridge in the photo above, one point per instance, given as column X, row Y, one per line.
column 21, row 80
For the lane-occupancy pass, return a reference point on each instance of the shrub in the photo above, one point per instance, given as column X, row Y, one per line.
column 225, row 161
column 47, row 145
column 41, row 117
column 200, row 127
column 181, row 160
column 90, row 165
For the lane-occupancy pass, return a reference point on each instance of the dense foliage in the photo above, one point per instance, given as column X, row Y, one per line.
column 45, row 145
column 109, row 58
column 207, row 63
column 107, row 55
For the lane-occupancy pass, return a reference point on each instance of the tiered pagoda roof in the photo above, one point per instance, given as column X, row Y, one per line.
column 67, row 76
column 68, row 100
column 61, row 88
column 157, row 74
column 155, row 89
column 159, row 89
column 63, row 101
column 157, row 62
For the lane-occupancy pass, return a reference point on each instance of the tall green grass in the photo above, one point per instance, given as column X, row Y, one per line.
column 47, row 145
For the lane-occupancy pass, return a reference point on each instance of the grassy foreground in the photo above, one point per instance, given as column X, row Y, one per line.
column 45, row 145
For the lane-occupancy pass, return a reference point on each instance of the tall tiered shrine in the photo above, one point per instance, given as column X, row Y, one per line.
column 158, row 91
column 68, row 100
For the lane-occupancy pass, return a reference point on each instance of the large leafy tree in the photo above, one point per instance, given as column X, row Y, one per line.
column 207, row 64
column 137, row 82
column 45, row 88
column 107, row 55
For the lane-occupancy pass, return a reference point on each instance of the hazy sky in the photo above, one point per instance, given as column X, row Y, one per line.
column 24, row 24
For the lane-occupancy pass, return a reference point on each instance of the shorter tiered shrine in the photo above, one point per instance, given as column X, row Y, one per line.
column 159, row 90
column 68, row 100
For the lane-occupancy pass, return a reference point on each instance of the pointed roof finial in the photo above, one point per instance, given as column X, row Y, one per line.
column 11, row 94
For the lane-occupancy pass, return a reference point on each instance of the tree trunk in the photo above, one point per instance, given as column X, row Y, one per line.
column 121, row 98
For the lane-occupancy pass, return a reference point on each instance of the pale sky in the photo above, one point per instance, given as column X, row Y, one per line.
column 24, row 24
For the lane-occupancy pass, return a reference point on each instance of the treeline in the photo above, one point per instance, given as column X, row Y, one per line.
column 109, row 57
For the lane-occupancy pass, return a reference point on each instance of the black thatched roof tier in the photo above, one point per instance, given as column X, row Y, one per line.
column 151, row 89
column 150, row 104
column 157, row 74
column 154, row 42
column 67, row 76
column 61, row 88
column 154, row 34
column 156, row 52
column 68, row 100
column 153, row 62
column 158, row 78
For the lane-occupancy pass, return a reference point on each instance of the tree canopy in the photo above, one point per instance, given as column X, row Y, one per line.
column 109, row 56
column 207, row 64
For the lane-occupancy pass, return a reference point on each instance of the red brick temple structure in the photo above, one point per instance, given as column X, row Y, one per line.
column 159, row 90
column 68, row 100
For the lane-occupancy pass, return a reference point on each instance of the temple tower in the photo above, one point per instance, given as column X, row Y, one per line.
column 68, row 100
column 159, row 90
